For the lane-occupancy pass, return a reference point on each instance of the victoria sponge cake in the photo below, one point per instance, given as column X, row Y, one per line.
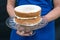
column 27, row 15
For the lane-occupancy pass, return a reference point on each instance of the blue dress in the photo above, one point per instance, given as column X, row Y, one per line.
column 46, row 33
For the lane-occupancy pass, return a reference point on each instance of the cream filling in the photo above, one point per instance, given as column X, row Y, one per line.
column 25, row 18
column 28, row 24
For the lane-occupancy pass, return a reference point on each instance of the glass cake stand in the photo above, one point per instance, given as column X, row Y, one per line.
column 13, row 25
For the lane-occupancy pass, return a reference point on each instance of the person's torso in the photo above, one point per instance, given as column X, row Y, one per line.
column 46, row 33
column 46, row 5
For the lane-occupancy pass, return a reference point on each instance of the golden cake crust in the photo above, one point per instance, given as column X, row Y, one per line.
column 31, row 14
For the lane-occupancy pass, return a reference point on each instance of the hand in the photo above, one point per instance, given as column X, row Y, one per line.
column 23, row 32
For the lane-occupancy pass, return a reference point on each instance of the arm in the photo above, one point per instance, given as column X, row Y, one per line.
column 10, row 7
column 55, row 13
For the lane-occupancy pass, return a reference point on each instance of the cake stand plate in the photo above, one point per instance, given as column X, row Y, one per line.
column 11, row 24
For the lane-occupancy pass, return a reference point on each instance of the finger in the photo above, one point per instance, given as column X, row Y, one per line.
column 28, row 33
column 25, row 34
column 22, row 33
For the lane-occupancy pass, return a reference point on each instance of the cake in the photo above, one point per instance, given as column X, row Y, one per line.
column 28, row 15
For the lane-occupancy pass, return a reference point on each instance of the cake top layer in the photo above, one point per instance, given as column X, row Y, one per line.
column 27, row 8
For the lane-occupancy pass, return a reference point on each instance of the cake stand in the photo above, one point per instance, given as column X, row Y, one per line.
column 13, row 25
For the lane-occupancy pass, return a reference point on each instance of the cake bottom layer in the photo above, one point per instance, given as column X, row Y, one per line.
column 28, row 22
